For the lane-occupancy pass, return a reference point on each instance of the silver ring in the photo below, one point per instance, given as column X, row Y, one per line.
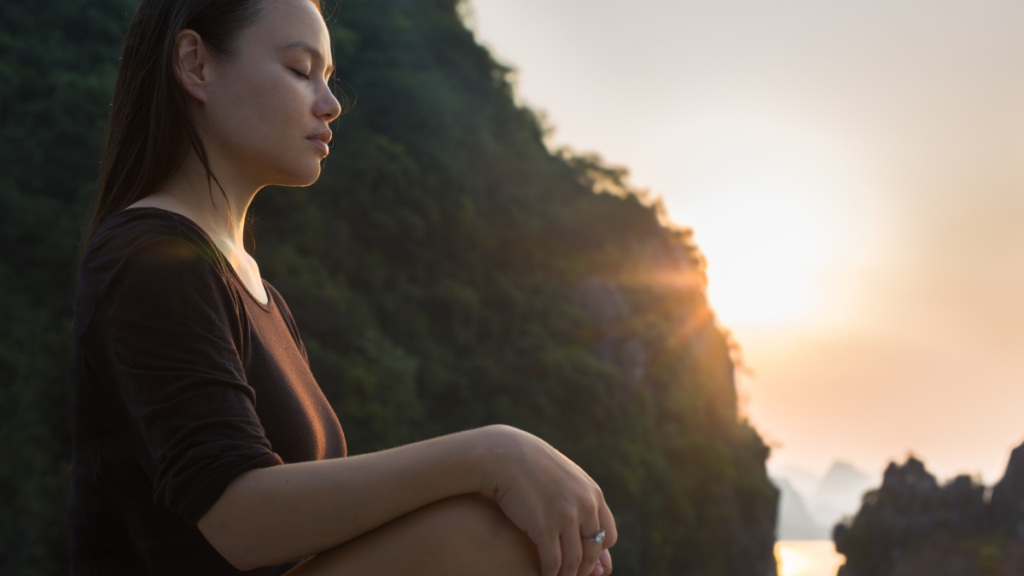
column 598, row 538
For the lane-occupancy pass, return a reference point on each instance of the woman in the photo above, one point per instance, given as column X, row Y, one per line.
column 202, row 443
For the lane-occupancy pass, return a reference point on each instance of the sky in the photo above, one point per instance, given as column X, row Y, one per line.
column 854, row 173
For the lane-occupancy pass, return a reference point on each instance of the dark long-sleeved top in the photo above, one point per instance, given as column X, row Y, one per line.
column 181, row 381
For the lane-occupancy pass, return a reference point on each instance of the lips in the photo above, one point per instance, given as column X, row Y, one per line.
column 321, row 139
column 323, row 136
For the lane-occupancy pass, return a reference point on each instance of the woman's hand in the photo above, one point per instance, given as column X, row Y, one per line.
column 604, row 564
column 551, row 499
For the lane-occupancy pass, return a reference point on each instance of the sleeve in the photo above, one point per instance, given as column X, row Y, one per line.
column 173, row 331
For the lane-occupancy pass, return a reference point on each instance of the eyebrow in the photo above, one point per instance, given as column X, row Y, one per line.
column 308, row 49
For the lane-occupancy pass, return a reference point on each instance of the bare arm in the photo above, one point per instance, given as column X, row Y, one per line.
column 284, row 513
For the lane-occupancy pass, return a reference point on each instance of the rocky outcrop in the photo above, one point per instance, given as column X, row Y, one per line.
column 616, row 345
column 649, row 319
column 1008, row 497
column 914, row 526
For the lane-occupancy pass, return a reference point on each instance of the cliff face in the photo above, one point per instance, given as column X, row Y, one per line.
column 913, row 526
column 650, row 322
column 447, row 271
column 1007, row 502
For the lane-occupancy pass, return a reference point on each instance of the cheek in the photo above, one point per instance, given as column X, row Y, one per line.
column 262, row 117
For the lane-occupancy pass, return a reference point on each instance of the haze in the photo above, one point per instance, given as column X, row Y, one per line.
column 854, row 172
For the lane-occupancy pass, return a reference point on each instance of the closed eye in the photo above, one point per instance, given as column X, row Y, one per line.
column 301, row 75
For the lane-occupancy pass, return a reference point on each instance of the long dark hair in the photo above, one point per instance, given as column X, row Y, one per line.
column 151, row 129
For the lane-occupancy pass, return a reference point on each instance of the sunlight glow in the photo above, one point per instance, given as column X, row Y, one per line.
column 763, row 241
column 792, row 562
column 764, row 212
column 762, row 251
column 809, row 558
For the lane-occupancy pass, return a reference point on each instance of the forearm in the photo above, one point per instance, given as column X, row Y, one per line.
column 284, row 513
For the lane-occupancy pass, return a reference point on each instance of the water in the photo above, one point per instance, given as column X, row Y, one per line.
column 808, row 558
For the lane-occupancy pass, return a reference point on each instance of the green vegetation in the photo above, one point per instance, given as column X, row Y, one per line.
column 447, row 271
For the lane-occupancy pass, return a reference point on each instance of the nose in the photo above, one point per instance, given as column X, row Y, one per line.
column 327, row 106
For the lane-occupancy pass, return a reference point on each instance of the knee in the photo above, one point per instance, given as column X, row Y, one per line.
column 478, row 528
column 476, row 517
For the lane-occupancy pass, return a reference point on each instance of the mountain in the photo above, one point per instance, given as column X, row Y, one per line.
column 804, row 481
column 915, row 526
column 840, row 493
column 810, row 505
column 795, row 520
column 447, row 271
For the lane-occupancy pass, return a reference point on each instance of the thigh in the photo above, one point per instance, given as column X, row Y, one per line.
column 462, row 536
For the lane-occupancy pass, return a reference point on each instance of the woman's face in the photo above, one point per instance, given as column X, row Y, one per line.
column 267, row 108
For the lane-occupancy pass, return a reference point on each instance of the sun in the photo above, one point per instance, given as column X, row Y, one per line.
column 765, row 242
column 764, row 206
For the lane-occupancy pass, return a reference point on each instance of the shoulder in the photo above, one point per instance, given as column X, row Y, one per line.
column 146, row 232
column 145, row 249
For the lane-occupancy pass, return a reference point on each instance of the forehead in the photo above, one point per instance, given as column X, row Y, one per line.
column 291, row 23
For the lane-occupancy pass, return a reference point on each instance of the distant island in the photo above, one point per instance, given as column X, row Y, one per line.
column 809, row 506
column 913, row 526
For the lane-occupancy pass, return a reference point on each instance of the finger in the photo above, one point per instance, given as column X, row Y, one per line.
column 591, row 554
column 606, row 561
column 604, row 515
column 572, row 553
column 591, row 560
column 590, row 526
column 550, row 552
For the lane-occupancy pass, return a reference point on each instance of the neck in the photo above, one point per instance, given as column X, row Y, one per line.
column 219, row 210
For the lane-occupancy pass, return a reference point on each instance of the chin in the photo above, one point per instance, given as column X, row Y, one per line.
column 309, row 179
column 303, row 174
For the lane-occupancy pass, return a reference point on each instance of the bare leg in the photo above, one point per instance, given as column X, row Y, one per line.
column 461, row 536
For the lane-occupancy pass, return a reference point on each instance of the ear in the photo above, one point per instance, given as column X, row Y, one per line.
column 192, row 64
